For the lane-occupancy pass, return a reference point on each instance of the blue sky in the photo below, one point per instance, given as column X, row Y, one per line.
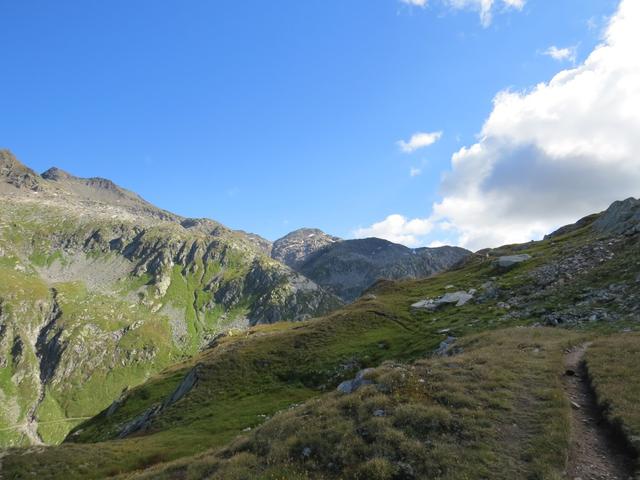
column 270, row 116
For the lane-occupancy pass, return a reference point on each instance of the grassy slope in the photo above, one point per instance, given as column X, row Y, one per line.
column 116, row 336
column 266, row 369
column 481, row 414
column 612, row 364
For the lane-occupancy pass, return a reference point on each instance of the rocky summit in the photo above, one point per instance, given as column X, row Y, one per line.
column 296, row 247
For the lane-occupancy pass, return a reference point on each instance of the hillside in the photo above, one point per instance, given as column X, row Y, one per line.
column 347, row 268
column 469, row 378
column 99, row 290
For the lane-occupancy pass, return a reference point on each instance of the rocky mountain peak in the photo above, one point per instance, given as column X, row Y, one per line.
column 56, row 174
column 295, row 248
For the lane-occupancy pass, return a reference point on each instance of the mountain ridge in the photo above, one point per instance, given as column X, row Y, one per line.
column 348, row 267
column 401, row 381
column 101, row 290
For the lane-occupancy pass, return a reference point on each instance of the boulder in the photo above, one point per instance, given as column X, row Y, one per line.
column 350, row 386
column 444, row 347
column 427, row 304
column 457, row 298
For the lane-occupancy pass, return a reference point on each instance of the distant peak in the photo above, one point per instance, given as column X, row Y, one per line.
column 309, row 232
column 58, row 175
column 55, row 173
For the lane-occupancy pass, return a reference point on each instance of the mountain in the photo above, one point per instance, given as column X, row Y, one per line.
column 99, row 290
column 504, row 361
column 348, row 267
column 296, row 247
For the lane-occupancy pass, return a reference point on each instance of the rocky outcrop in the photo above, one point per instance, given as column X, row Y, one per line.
column 621, row 218
column 49, row 347
column 143, row 421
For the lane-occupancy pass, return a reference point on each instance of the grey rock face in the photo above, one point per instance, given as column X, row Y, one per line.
column 509, row 261
column 295, row 248
column 49, row 348
column 621, row 218
column 347, row 268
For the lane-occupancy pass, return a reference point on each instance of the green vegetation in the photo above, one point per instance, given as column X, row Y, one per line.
column 481, row 414
column 612, row 363
column 249, row 377
column 93, row 302
column 264, row 404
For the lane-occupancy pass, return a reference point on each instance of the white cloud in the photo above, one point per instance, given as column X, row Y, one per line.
column 414, row 172
column 549, row 155
column 419, row 140
column 561, row 54
column 415, row 3
column 398, row 229
column 546, row 156
column 486, row 7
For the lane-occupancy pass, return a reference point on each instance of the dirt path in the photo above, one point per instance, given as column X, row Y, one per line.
column 594, row 453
